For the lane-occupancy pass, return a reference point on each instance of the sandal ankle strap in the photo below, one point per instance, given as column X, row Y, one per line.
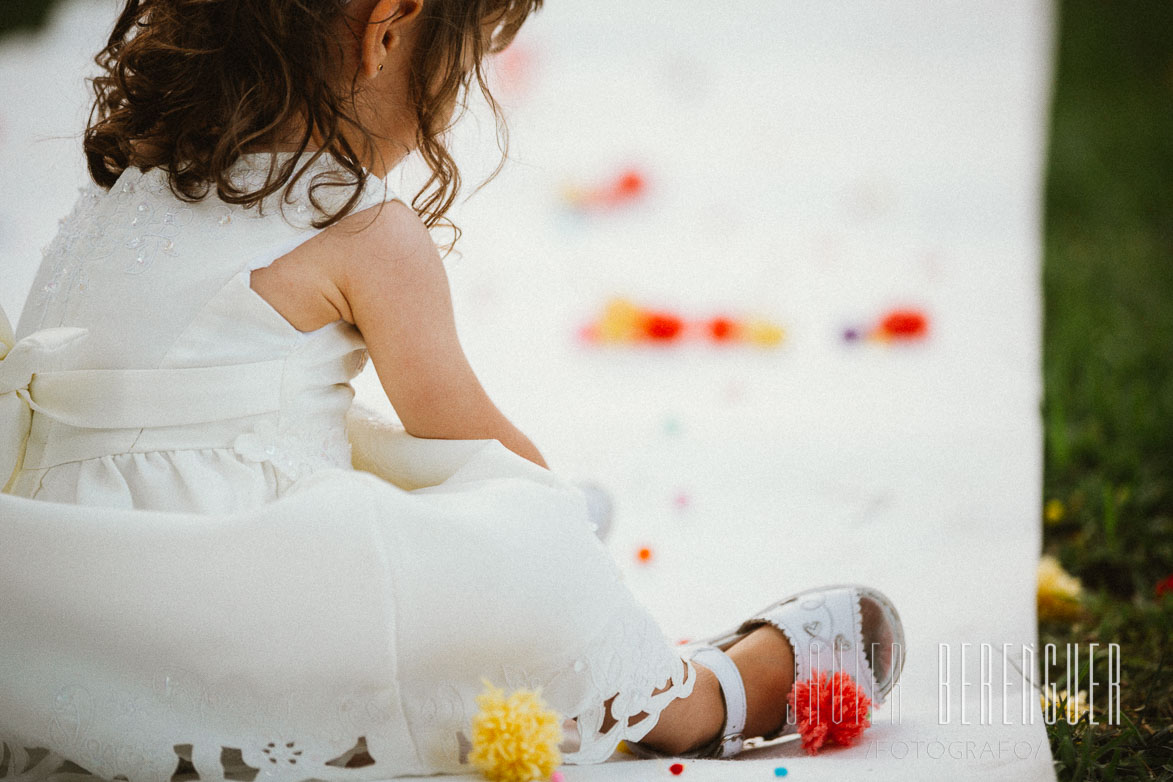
column 733, row 691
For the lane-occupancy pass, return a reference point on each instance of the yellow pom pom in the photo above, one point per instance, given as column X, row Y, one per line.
column 764, row 333
column 514, row 739
column 1059, row 591
column 621, row 321
column 574, row 195
column 1074, row 706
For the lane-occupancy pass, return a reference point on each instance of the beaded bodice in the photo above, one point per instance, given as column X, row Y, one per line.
column 158, row 283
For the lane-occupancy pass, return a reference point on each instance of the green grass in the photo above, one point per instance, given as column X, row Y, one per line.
column 23, row 14
column 1108, row 367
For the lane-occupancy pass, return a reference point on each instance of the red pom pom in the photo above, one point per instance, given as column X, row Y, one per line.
column 662, row 327
column 721, row 329
column 676, row 768
column 629, row 185
column 904, row 324
column 829, row 708
column 618, row 191
column 1165, row 586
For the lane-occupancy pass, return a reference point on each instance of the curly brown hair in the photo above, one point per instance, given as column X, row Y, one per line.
column 190, row 85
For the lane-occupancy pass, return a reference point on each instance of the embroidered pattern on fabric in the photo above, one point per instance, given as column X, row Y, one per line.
column 295, row 450
column 65, row 277
column 153, row 232
column 628, row 661
column 81, row 716
column 141, row 221
column 139, row 224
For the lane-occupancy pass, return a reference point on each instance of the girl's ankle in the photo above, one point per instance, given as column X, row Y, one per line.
column 765, row 659
column 708, row 739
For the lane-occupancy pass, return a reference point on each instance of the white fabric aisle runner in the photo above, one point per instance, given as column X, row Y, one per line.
column 814, row 164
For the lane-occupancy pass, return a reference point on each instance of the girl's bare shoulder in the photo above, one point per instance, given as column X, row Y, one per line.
column 384, row 251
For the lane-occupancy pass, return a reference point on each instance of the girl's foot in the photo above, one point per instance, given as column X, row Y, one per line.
column 849, row 628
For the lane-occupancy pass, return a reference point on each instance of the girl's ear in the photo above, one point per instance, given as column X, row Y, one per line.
column 384, row 31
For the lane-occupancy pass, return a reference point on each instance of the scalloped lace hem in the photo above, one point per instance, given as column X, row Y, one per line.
column 596, row 746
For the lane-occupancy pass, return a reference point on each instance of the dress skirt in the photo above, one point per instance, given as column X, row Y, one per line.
column 363, row 609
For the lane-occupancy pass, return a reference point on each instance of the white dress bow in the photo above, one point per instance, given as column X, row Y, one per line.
column 19, row 364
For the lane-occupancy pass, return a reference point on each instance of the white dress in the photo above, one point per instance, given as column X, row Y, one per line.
column 206, row 553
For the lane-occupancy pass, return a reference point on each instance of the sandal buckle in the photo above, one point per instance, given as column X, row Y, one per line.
column 730, row 745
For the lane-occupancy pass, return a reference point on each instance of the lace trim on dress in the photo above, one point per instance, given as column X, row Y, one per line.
column 612, row 690
column 630, row 665
column 280, row 761
column 295, row 450
column 630, row 673
column 83, row 715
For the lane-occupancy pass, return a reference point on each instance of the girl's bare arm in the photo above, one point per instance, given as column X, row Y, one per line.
column 396, row 292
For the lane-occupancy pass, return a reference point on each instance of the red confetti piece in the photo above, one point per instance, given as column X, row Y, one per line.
column 904, row 324
column 515, row 67
column 589, row 333
column 662, row 327
column 630, row 185
column 676, row 768
column 722, row 329
column 1165, row 586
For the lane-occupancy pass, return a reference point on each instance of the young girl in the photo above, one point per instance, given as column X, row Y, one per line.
column 209, row 561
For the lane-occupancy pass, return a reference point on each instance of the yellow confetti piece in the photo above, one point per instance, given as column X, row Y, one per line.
column 575, row 195
column 1075, row 707
column 1058, row 592
column 621, row 321
column 764, row 333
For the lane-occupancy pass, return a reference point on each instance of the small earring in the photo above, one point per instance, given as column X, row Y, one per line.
column 380, row 67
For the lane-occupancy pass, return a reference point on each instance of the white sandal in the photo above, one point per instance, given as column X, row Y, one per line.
column 827, row 628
